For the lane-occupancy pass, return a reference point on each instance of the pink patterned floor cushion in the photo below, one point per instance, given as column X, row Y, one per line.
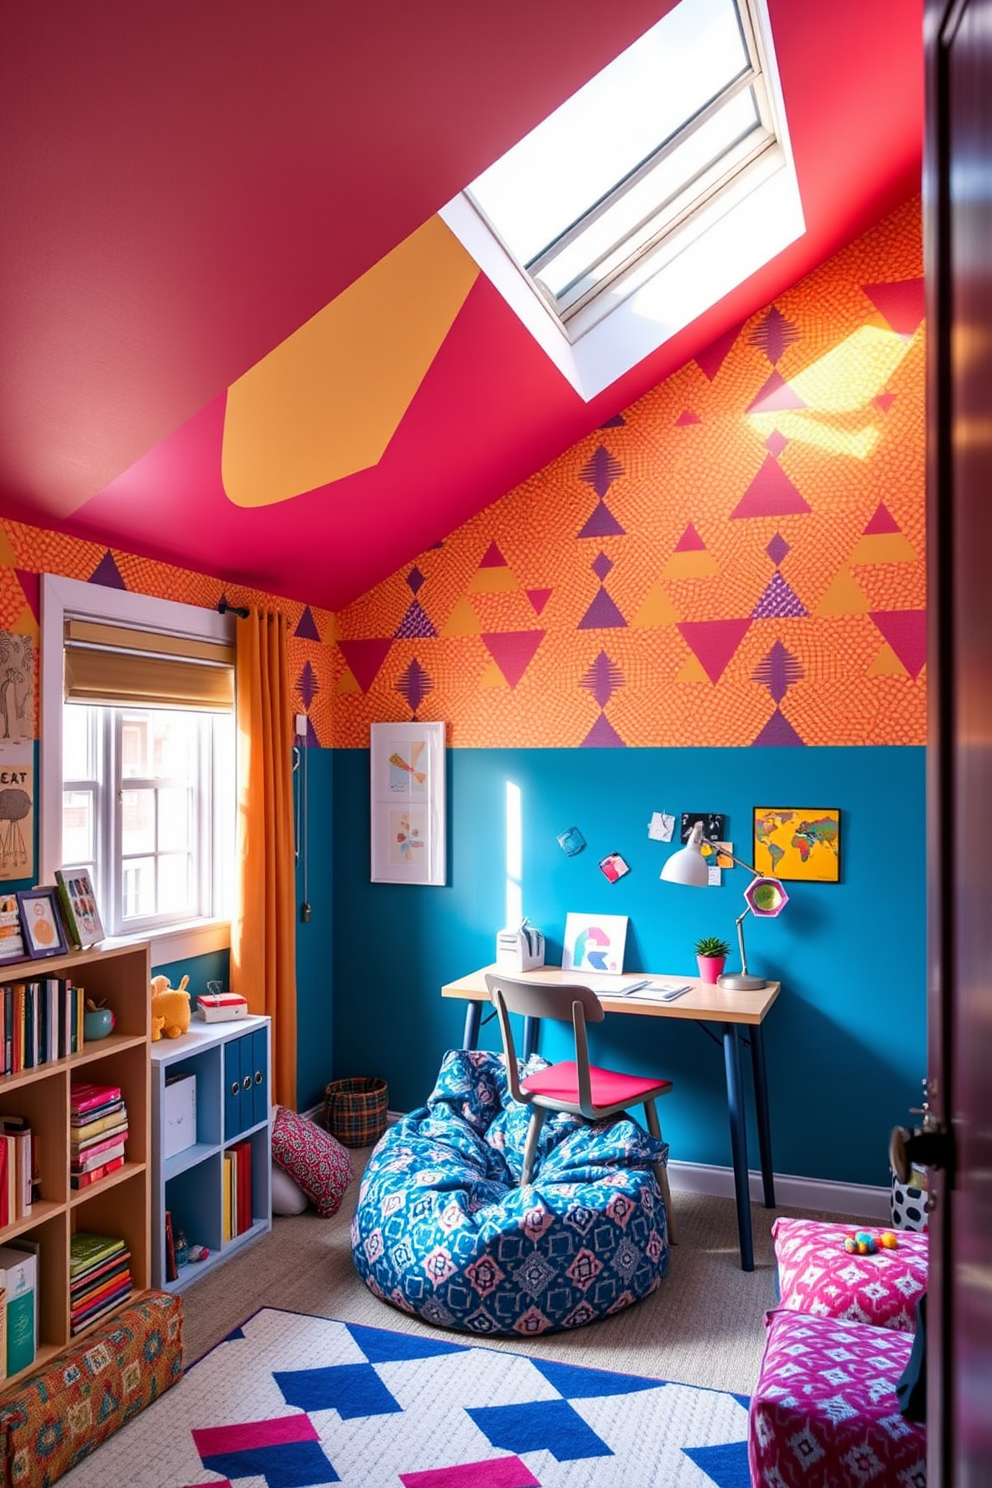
column 825, row 1414
column 313, row 1158
column 817, row 1275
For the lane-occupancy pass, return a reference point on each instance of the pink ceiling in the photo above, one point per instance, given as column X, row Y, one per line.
column 184, row 185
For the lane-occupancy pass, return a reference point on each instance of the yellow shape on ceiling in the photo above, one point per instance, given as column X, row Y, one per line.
column 326, row 401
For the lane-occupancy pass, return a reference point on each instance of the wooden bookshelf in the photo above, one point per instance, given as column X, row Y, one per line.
column 119, row 1204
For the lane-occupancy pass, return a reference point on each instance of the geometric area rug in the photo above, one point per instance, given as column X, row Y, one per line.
column 292, row 1401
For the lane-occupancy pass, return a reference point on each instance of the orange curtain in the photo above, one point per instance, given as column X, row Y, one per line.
column 263, row 932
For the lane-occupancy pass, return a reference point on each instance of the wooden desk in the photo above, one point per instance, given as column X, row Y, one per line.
column 733, row 1011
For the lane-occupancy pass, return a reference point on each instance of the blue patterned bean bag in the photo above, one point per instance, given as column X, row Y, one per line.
column 443, row 1230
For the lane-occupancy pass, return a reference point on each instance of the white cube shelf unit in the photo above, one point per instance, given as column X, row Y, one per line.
column 230, row 1063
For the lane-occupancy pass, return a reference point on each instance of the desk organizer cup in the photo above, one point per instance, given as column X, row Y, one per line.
column 355, row 1109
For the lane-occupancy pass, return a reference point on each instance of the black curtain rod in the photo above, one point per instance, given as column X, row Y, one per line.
column 224, row 608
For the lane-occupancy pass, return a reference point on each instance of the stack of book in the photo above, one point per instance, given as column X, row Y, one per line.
column 99, row 1277
column 98, row 1132
column 237, row 1197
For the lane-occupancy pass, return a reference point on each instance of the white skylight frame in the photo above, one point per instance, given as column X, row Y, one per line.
column 676, row 268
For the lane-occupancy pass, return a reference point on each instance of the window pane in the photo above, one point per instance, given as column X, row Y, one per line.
column 138, row 885
column 174, row 884
column 174, row 817
column 158, row 744
column 137, row 821
column 661, row 187
column 553, row 176
column 77, row 760
column 78, row 836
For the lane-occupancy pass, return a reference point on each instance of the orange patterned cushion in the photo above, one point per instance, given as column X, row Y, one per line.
column 54, row 1418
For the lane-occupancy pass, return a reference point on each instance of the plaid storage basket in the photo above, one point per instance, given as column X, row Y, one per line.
column 356, row 1109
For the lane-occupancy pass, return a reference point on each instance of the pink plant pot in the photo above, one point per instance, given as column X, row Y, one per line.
column 710, row 967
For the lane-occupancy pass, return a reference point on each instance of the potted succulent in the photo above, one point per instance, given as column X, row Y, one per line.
column 711, row 955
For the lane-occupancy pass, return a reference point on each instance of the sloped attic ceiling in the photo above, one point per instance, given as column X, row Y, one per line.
column 233, row 333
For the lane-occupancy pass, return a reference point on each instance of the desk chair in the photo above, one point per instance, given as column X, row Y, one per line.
column 576, row 1086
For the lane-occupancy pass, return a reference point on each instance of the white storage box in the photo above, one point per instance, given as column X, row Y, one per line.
column 179, row 1116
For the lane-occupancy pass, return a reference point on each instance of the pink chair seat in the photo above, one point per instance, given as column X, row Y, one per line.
column 609, row 1087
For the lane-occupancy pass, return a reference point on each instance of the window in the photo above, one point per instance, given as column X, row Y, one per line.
column 139, row 749
column 669, row 122
column 645, row 174
column 141, row 789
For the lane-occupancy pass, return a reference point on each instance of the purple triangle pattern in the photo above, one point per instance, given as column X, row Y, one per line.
column 306, row 628
column 601, row 470
column 307, row 685
column 312, row 741
column 778, row 601
column 602, row 523
column 601, row 566
column 603, row 735
column 602, row 614
column 416, row 625
column 778, row 671
column 415, row 578
column 616, row 422
column 774, row 334
column 107, row 573
column 778, row 732
column 414, row 685
column 602, row 679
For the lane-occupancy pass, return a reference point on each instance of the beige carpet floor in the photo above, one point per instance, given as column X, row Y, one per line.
column 703, row 1326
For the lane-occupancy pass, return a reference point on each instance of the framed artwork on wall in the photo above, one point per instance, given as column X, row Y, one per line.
column 799, row 843
column 407, row 765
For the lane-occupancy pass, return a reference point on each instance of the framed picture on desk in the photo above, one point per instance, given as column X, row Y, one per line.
column 408, row 803
column 594, row 943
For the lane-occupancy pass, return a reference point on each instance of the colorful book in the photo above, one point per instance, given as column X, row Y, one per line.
column 83, row 1128
column 96, row 1276
column 20, row 1270
column 83, row 1180
column 89, row 1249
column 18, row 1128
column 86, row 1096
column 117, row 1130
column 97, row 1159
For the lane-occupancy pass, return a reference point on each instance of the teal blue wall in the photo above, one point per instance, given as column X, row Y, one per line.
column 846, row 1041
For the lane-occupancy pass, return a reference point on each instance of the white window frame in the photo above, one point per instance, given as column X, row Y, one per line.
column 72, row 598
column 711, row 251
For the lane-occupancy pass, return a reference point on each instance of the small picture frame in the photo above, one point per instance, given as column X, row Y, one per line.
column 594, row 943
column 11, row 935
column 77, row 902
column 41, row 926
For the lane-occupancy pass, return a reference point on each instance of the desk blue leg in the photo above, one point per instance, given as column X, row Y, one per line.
column 532, row 1027
column 738, row 1141
column 761, row 1111
column 473, row 1020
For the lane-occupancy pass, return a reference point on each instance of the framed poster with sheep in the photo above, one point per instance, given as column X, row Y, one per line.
column 407, row 764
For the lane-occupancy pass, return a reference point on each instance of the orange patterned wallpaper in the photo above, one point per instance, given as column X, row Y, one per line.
column 737, row 559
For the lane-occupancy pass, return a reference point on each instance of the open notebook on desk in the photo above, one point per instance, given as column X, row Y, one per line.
column 637, row 989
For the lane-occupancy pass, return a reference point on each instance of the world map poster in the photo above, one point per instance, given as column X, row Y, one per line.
column 798, row 842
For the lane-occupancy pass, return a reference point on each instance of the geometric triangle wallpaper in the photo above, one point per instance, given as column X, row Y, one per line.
column 738, row 559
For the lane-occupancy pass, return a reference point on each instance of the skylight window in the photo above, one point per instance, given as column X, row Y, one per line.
column 656, row 188
column 667, row 123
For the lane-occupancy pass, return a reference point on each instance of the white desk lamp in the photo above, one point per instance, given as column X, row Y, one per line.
column 766, row 898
